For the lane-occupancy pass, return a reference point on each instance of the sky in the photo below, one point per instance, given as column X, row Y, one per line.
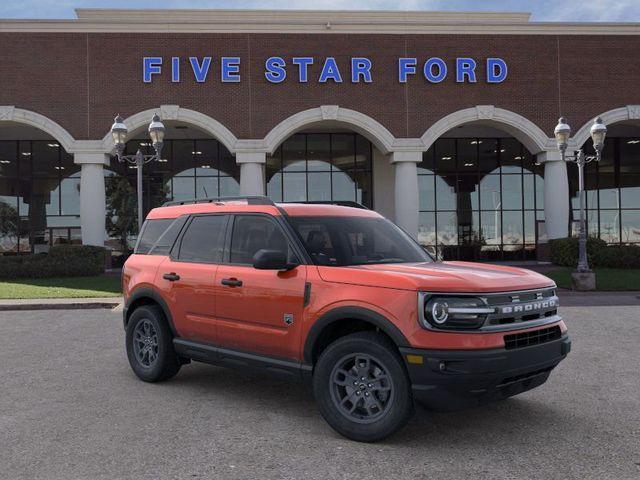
column 542, row 10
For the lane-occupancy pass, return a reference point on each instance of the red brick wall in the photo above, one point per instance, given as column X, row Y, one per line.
column 82, row 80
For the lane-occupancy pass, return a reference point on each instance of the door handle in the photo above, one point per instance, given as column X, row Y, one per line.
column 231, row 282
column 172, row 277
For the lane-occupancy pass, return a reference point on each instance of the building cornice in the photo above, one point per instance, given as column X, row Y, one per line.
column 314, row 22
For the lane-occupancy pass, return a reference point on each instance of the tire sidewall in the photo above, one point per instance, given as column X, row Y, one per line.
column 378, row 347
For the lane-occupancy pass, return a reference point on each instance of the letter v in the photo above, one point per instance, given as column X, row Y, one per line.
column 200, row 71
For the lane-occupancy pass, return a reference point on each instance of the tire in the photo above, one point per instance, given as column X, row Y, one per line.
column 152, row 357
column 384, row 403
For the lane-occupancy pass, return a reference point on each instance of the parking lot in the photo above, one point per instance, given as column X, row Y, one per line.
column 71, row 408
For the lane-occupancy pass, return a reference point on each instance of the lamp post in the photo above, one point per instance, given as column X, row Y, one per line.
column 156, row 132
column 562, row 133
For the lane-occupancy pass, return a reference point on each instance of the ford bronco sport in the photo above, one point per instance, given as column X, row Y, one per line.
column 337, row 296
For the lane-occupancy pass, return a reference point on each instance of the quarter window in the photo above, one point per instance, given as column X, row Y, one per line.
column 204, row 239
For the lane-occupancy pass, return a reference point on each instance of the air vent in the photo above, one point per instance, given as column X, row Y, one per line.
column 536, row 337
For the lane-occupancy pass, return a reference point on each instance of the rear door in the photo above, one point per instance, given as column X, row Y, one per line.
column 259, row 310
column 187, row 277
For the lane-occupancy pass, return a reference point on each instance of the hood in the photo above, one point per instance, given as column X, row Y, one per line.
column 447, row 277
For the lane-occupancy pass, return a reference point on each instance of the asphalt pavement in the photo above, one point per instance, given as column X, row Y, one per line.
column 70, row 408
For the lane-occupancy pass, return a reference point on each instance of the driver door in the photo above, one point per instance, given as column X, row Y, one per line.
column 259, row 311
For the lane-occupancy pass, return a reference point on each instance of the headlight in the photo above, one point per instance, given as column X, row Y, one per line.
column 454, row 312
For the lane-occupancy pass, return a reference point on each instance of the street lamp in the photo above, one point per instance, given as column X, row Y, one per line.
column 562, row 133
column 119, row 133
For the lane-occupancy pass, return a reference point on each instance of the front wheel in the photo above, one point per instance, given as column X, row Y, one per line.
column 362, row 388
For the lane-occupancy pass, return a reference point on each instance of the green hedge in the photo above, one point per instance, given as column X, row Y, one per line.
column 61, row 261
column 564, row 252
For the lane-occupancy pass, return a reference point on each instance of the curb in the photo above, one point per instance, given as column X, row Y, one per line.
column 8, row 307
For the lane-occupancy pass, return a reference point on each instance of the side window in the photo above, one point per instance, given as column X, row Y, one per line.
column 151, row 231
column 203, row 240
column 252, row 233
column 318, row 242
column 168, row 238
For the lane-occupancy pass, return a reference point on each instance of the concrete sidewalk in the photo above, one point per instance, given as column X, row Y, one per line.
column 568, row 298
column 59, row 303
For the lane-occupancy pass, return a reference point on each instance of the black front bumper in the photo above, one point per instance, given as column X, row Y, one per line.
column 455, row 379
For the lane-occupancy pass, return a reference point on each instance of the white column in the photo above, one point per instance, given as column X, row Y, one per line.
column 92, row 197
column 251, row 172
column 556, row 194
column 406, row 190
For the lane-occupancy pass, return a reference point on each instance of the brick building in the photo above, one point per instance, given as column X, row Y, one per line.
column 441, row 121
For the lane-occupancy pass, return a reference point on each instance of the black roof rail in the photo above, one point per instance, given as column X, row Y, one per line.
column 251, row 200
column 342, row 203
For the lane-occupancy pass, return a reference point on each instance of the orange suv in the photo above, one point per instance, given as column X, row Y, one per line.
column 339, row 297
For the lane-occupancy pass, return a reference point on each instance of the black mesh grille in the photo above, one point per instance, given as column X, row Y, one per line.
column 536, row 337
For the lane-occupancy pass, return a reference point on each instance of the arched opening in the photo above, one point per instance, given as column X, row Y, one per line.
column 612, row 187
column 330, row 154
column 322, row 164
column 39, row 190
column 194, row 165
column 481, row 195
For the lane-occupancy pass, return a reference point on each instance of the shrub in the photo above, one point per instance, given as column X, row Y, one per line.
column 618, row 256
column 61, row 261
column 564, row 252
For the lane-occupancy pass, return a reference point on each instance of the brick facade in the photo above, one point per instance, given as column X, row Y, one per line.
column 80, row 80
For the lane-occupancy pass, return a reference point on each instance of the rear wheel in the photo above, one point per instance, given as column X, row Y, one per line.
column 150, row 345
column 362, row 388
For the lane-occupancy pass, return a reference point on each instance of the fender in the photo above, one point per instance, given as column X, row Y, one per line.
column 145, row 292
column 356, row 313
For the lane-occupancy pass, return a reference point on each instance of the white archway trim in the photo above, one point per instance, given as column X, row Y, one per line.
column 382, row 138
column 9, row 113
column 629, row 112
column 531, row 136
column 177, row 113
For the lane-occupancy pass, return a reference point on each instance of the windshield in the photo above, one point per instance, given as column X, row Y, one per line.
column 344, row 241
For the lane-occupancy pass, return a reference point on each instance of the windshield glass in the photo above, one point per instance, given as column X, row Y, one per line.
column 344, row 241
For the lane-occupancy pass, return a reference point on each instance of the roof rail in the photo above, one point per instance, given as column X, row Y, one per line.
column 251, row 200
column 342, row 203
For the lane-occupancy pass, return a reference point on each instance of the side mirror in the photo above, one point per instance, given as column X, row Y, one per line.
column 272, row 260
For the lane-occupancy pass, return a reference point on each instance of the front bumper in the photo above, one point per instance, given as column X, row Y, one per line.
column 456, row 379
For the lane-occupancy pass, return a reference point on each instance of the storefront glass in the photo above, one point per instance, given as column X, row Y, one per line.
column 321, row 167
column 39, row 196
column 480, row 198
column 612, row 192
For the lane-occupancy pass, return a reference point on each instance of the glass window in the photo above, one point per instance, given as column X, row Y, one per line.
column 321, row 167
column 164, row 244
column 203, row 241
column 151, row 232
column 630, row 222
column 255, row 232
column 343, row 241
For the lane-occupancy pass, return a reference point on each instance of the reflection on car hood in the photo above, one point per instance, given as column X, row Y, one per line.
column 438, row 277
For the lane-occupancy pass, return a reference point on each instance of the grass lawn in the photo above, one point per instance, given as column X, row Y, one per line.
column 606, row 278
column 72, row 287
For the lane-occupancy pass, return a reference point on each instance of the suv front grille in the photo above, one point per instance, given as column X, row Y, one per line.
column 517, row 307
column 536, row 337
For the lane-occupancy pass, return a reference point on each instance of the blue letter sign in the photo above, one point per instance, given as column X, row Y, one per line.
column 434, row 69
column 151, row 66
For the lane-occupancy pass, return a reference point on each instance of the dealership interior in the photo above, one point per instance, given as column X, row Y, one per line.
column 481, row 190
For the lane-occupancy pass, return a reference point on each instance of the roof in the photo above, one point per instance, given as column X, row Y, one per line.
column 238, row 206
column 310, row 21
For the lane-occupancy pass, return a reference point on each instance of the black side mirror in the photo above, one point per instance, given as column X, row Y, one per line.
column 272, row 260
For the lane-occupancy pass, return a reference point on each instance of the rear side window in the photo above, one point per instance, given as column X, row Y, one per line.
column 203, row 241
column 168, row 238
column 151, row 232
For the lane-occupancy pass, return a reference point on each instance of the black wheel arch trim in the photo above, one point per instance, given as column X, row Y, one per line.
column 351, row 313
column 146, row 292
